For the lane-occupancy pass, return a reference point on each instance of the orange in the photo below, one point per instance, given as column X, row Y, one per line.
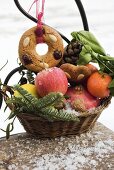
column 97, row 84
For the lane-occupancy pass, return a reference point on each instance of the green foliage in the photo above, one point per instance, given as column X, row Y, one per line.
column 92, row 51
column 52, row 113
column 43, row 107
column 85, row 55
column 35, row 103
column 87, row 38
column 9, row 128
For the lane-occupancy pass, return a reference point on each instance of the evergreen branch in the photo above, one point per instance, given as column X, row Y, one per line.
column 52, row 113
column 19, row 102
column 24, row 104
column 50, row 99
column 68, row 116
column 43, row 107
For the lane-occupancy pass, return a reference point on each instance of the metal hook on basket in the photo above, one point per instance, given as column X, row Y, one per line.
column 80, row 7
column 17, row 69
column 83, row 15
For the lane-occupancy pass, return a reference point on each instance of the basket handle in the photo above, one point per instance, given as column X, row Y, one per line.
column 79, row 5
column 83, row 15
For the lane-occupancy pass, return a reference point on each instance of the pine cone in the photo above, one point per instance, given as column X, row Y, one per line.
column 71, row 52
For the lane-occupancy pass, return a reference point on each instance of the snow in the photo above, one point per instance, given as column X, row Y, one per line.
column 63, row 16
column 67, row 153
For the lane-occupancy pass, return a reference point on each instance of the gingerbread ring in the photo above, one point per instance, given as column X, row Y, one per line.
column 27, row 49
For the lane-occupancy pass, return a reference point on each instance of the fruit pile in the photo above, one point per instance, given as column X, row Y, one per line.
column 81, row 96
column 82, row 84
column 54, row 79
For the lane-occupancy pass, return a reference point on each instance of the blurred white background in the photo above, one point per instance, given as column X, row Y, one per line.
column 64, row 16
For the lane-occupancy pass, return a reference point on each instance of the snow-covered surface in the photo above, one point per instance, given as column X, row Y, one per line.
column 64, row 16
column 91, row 151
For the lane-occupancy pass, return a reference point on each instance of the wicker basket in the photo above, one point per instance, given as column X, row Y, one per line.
column 40, row 127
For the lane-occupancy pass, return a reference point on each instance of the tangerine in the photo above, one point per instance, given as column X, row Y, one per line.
column 97, row 84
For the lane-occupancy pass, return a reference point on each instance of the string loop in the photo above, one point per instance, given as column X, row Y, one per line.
column 39, row 16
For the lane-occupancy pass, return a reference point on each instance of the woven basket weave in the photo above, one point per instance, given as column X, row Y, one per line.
column 40, row 127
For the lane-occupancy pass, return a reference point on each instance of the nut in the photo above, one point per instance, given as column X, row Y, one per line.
column 26, row 41
column 80, row 77
column 52, row 38
column 44, row 65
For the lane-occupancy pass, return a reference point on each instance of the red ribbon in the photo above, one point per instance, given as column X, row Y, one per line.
column 39, row 16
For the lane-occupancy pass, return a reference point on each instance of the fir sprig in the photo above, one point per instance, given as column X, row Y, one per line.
column 50, row 99
column 43, row 107
column 52, row 113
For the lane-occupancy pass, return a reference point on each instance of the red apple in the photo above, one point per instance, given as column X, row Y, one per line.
column 51, row 80
column 81, row 99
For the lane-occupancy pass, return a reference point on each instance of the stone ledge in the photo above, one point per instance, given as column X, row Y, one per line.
column 93, row 150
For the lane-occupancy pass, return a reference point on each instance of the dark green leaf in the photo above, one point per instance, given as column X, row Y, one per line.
column 9, row 129
column 12, row 115
column 5, row 108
